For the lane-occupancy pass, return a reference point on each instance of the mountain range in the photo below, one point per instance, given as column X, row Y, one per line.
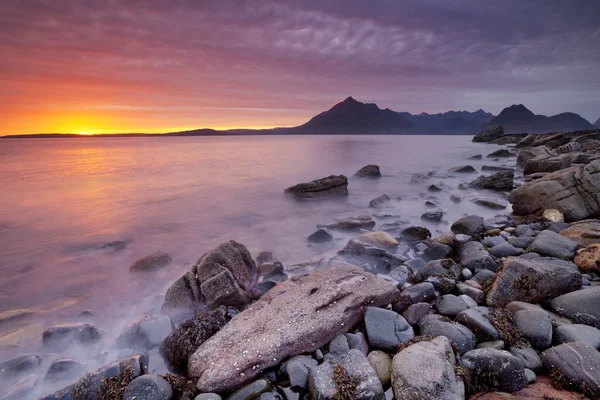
column 354, row 117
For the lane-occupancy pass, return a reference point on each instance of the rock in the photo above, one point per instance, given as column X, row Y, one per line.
column 321, row 235
column 578, row 333
column 466, row 273
column 61, row 336
column 541, row 389
column 476, row 157
column 524, row 231
column 339, row 345
column 528, row 356
column 491, row 241
column 475, row 294
column 223, row 276
column 553, row 215
column 530, row 375
column 346, row 373
column 489, row 202
column 584, row 233
column 474, row 257
column 503, row 180
column 378, row 238
column 298, row 368
column 19, row 365
column 207, row 396
column 505, row 250
column 432, row 216
column 180, row 344
column 459, row 335
column 463, row 169
column 534, row 152
column 379, row 201
column 369, row 171
column 552, row 244
column 588, row 259
column 445, row 238
column 582, row 306
column 21, row 388
column 152, row 262
column 532, row 281
column 535, row 326
column 415, row 312
column 489, row 134
column 64, row 368
column 471, row 225
column 450, row 306
column 495, row 168
column 333, row 185
column 445, row 267
column 574, row 365
column 437, row 251
column 491, row 369
column 145, row 332
column 421, row 292
column 483, row 276
column 516, row 306
column 498, row 222
column 382, row 364
column 351, row 223
column 574, row 191
column 477, row 320
column 114, row 247
column 400, row 274
column 499, row 153
column 358, row 341
column 434, row 188
column 252, row 390
column 521, row 242
column 148, row 387
column 415, row 233
column 469, row 301
column 494, row 344
column 334, row 300
column 386, row 330
column 419, row 178
column 425, row 370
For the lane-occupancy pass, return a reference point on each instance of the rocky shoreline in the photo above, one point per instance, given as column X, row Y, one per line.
column 500, row 308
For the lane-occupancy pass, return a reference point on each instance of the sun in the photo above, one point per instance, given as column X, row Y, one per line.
column 84, row 133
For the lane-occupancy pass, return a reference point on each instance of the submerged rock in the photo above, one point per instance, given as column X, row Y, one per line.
column 151, row 262
column 322, row 235
column 503, row 180
column 333, row 300
column 415, row 233
column 351, row 223
column 463, row 169
column 333, row 185
column 62, row 336
column 432, row 216
column 223, row 276
column 380, row 201
column 368, row 171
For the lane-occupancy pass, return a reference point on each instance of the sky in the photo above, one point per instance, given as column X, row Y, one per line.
column 155, row 66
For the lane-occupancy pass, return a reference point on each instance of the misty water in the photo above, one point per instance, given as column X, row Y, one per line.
column 62, row 199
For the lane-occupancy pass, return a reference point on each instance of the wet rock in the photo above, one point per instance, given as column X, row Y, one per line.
column 463, row 169
column 489, row 202
column 477, row 320
column 334, row 300
column 532, row 281
column 321, row 235
column 574, row 365
column 491, row 369
column 489, row 134
column 470, row 225
column 588, row 259
column 21, row 388
column 382, row 364
column 380, row 201
column 151, row 262
column 535, row 326
column 446, row 239
column 415, row 312
column 348, row 372
column 476, row 157
column 494, row 344
column 419, row 178
column 483, row 276
column 386, row 330
column 499, row 153
column 552, row 244
column 368, row 171
column 61, row 336
column 333, row 185
column 400, row 274
column 466, row 273
column 503, row 180
column 450, row 305
column 180, row 344
column 469, row 301
column 528, row 356
column 351, row 223
column 207, row 396
column 521, row 242
column 358, row 341
column 445, row 267
column 378, row 238
column 582, row 306
column 575, row 191
column 475, row 294
column 148, row 387
column 114, row 247
column 534, row 152
column 421, row 292
column 578, row 333
column 474, row 257
column 298, row 369
column 64, row 368
column 584, row 233
column 223, row 276
column 434, row 188
column 252, row 390
column 530, row 375
column 516, row 306
column 505, row 250
column 553, row 215
column 415, row 233
column 495, row 168
column 432, row 216
column 339, row 345
column 145, row 332
column 459, row 335
column 425, row 370
column 19, row 365
column 491, row 241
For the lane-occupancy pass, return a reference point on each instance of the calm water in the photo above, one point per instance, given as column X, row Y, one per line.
column 63, row 198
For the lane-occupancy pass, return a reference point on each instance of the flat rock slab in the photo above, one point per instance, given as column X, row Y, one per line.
column 577, row 364
column 297, row 316
column 333, row 185
column 532, row 281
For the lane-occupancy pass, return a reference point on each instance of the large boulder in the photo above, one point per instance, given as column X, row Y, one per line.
column 469, row 225
column 574, row 191
column 588, row 259
column 534, row 152
column 532, row 281
column 368, row 171
column 295, row 317
column 547, row 164
column 582, row 306
column 333, row 185
column 552, row 244
column 426, row 370
column 585, row 233
column 574, row 365
column 503, row 180
column 223, row 276
column 489, row 134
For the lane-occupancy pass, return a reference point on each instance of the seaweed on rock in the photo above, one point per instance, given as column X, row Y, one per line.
column 346, row 384
column 504, row 322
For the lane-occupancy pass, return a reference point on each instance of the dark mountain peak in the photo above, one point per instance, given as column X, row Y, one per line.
column 518, row 119
column 349, row 99
column 597, row 123
column 516, row 111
